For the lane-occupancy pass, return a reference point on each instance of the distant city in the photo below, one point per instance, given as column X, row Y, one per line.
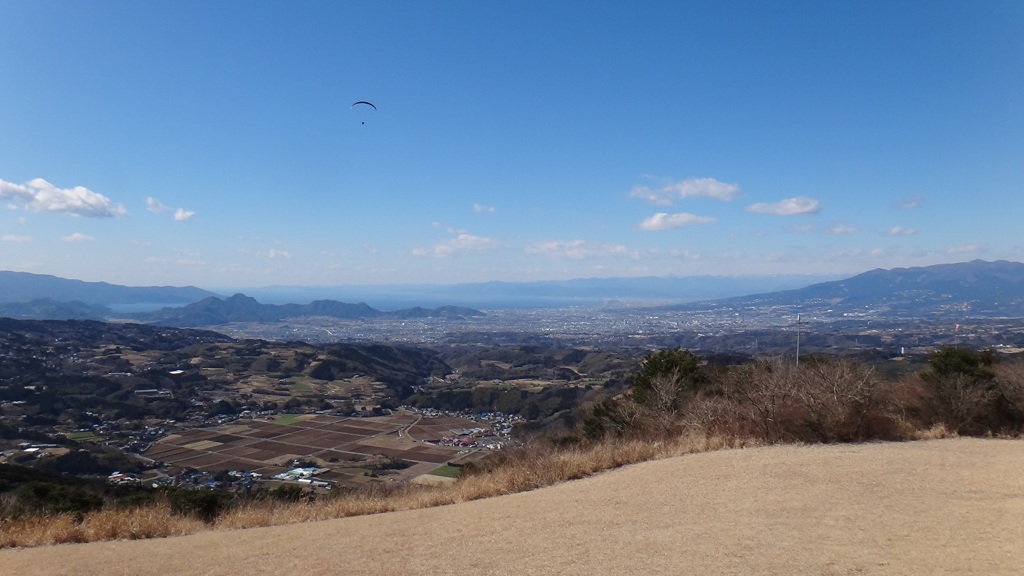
column 771, row 330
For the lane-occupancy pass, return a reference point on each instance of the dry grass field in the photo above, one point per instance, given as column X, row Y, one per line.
column 951, row 506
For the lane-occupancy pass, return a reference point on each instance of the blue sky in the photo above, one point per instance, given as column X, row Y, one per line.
column 214, row 143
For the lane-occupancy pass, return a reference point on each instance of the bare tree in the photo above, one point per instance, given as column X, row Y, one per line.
column 1010, row 384
column 838, row 396
column 763, row 392
column 958, row 401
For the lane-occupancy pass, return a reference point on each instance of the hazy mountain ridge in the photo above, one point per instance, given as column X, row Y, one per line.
column 977, row 288
column 214, row 311
column 542, row 294
column 25, row 287
column 50, row 309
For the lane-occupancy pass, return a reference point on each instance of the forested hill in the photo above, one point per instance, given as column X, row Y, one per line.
column 215, row 311
column 60, row 371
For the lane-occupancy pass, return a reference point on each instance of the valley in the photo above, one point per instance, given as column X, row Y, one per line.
column 258, row 401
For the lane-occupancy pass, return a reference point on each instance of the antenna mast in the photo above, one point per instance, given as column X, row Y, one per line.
column 798, row 340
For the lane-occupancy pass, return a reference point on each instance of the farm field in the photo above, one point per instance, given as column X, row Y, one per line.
column 349, row 447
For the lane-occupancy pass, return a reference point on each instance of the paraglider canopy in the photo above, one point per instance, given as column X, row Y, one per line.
column 361, row 103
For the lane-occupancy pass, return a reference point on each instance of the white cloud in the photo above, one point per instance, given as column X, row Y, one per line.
column 180, row 214
column 16, row 239
column 663, row 221
column 463, row 242
column 16, row 192
column 909, row 203
column 855, row 254
column 481, row 209
column 968, row 249
column 154, row 205
column 76, row 237
column 275, row 254
column 900, row 231
column 840, row 228
column 803, row 229
column 676, row 253
column 448, row 229
column 194, row 262
column 38, row 195
column 579, row 249
column 694, row 187
column 796, row 206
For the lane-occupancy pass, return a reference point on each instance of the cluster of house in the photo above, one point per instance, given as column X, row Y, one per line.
column 124, row 478
column 495, row 435
column 244, row 479
column 463, row 437
column 154, row 393
column 203, row 479
column 500, row 423
column 305, row 476
column 31, row 451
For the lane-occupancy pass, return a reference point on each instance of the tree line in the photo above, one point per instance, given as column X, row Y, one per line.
column 823, row 399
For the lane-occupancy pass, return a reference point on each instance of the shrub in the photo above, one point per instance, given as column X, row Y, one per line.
column 842, row 402
column 666, row 378
column 762, row 394
column 957, row 361
column 44, row 498
column 961, row 390
column 610, row 417
column 1009, row 384
column 204, row 505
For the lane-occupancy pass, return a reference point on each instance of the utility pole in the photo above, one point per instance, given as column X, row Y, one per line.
column 798, row 340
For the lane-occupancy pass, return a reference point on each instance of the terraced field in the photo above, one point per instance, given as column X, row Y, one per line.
column 349, row 447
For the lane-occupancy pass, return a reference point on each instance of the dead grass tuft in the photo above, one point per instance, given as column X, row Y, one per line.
column 936, row 432
column 39, row 531
column 156, row 521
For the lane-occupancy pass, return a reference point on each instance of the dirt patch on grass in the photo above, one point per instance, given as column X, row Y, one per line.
column 932, row 507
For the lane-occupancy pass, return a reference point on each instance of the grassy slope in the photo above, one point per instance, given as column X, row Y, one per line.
column 932, row 507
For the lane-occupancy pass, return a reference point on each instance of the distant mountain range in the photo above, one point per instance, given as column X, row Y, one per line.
column 50, row 309
column 29, row 296
column 977, row 288
column 969, row 289
column 25, row 287
column 541, row 294
column 215, row 311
